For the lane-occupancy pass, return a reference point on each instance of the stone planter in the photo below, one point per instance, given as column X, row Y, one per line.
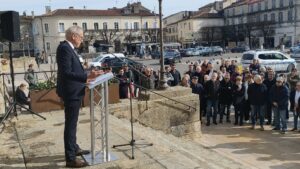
column 113, row 95
column 45, row 100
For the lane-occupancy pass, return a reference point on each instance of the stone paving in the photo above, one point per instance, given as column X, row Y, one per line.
column 31, row 142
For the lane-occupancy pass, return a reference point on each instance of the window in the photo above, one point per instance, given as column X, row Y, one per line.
column 233, row 11
column 258, row 18
column 135, row 25
column 291, row 3
column 146, row 25
column 46, row 28
column 273, row 4
column 265, row 17
column 248, row 57
column 61, row 27
column 281, row 3
column 155, row 25
column 105, row 25
column 48, row 46
column 84, row 26
column 290, row 15
column 126, row 25
column 277, row 56
column 273, row 17
column 251, row 8
column 96, row 26
column 116, row 25
column 280, row 17
column 266, row 4
column 259, row 7
column 74, row 23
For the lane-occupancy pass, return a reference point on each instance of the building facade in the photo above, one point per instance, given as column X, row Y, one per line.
column 124, row 28
column 192, row 28
column 270, row 23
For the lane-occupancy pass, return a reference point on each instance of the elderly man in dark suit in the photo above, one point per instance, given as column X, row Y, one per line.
column 71, row 81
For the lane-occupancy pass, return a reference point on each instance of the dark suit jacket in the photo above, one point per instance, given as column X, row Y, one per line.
column 21, row 97
column 71, row 77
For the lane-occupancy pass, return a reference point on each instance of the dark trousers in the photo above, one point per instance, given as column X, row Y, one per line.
column 71, row 119
column 269, row 112
column 239, row 113
column 222, row 111
column 211, row 104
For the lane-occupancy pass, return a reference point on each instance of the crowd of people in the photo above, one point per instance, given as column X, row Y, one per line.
column 258, row 95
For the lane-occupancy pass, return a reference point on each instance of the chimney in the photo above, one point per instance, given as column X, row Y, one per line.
column 48, row 9
column 71, row 7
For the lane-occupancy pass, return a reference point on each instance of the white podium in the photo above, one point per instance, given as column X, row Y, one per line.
column 99, row 126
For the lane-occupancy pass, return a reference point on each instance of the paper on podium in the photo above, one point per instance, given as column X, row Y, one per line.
column 100, row 79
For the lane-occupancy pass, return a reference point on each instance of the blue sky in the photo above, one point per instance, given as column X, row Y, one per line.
column 38, row 6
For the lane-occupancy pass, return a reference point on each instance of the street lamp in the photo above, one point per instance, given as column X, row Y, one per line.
column 163, row 82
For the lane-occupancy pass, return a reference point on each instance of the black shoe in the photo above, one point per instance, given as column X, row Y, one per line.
column 228, row 121
column 235, row 123
column 275, row 128
column 294, row 129
column 268, row 123
column 283, row 132
column 241, row 124
column 76, row 164
column 215, row 122
column 221, row 121
column 207, row 124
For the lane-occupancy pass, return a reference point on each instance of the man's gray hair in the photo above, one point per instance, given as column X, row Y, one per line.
column 257, row 77
column 73, row 30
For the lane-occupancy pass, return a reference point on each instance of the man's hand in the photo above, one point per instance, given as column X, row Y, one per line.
column 275, row 104
column 93, row 75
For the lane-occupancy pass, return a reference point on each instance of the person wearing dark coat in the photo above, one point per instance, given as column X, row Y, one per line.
column 295, row 98
column 212, row 95
column 197, row 88
column 238, row 101
column 198, row 72
column 21, row 96
column 254, row 67
column 257, row 95
column 71, row 85
column 123, row 84
column 225, row 97
column 148, row 81
column 279, row 95
column 269, row 82
column 176, row 75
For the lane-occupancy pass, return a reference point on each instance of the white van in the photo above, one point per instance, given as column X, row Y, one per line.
column 97, row 62
column 278, row 61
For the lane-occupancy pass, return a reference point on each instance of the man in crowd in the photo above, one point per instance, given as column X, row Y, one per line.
column 254, row 67
column 199, row 74
column 257, row 93
column 225, row 97
column 148, row 81
column 212, row 94
column 269, row 82
column 197, row 88
column 176, row 75
column 296, row 108
column 279, row 95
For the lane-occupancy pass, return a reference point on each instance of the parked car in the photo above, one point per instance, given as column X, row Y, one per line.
column 240, row 49
column 189, row 52
column 171, row 57
column 296, row 55
column 294, row 49
column 217, row 50
column 182, row 52
column 278, row 61
column 155, row 54
column 100, row 60
column 206, row 51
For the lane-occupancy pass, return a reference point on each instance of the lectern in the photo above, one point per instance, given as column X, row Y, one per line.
column 99, row 121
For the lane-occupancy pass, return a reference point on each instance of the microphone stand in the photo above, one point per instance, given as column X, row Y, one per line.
column 132, row 142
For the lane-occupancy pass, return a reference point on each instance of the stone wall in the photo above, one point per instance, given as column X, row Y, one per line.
column 159, row 113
